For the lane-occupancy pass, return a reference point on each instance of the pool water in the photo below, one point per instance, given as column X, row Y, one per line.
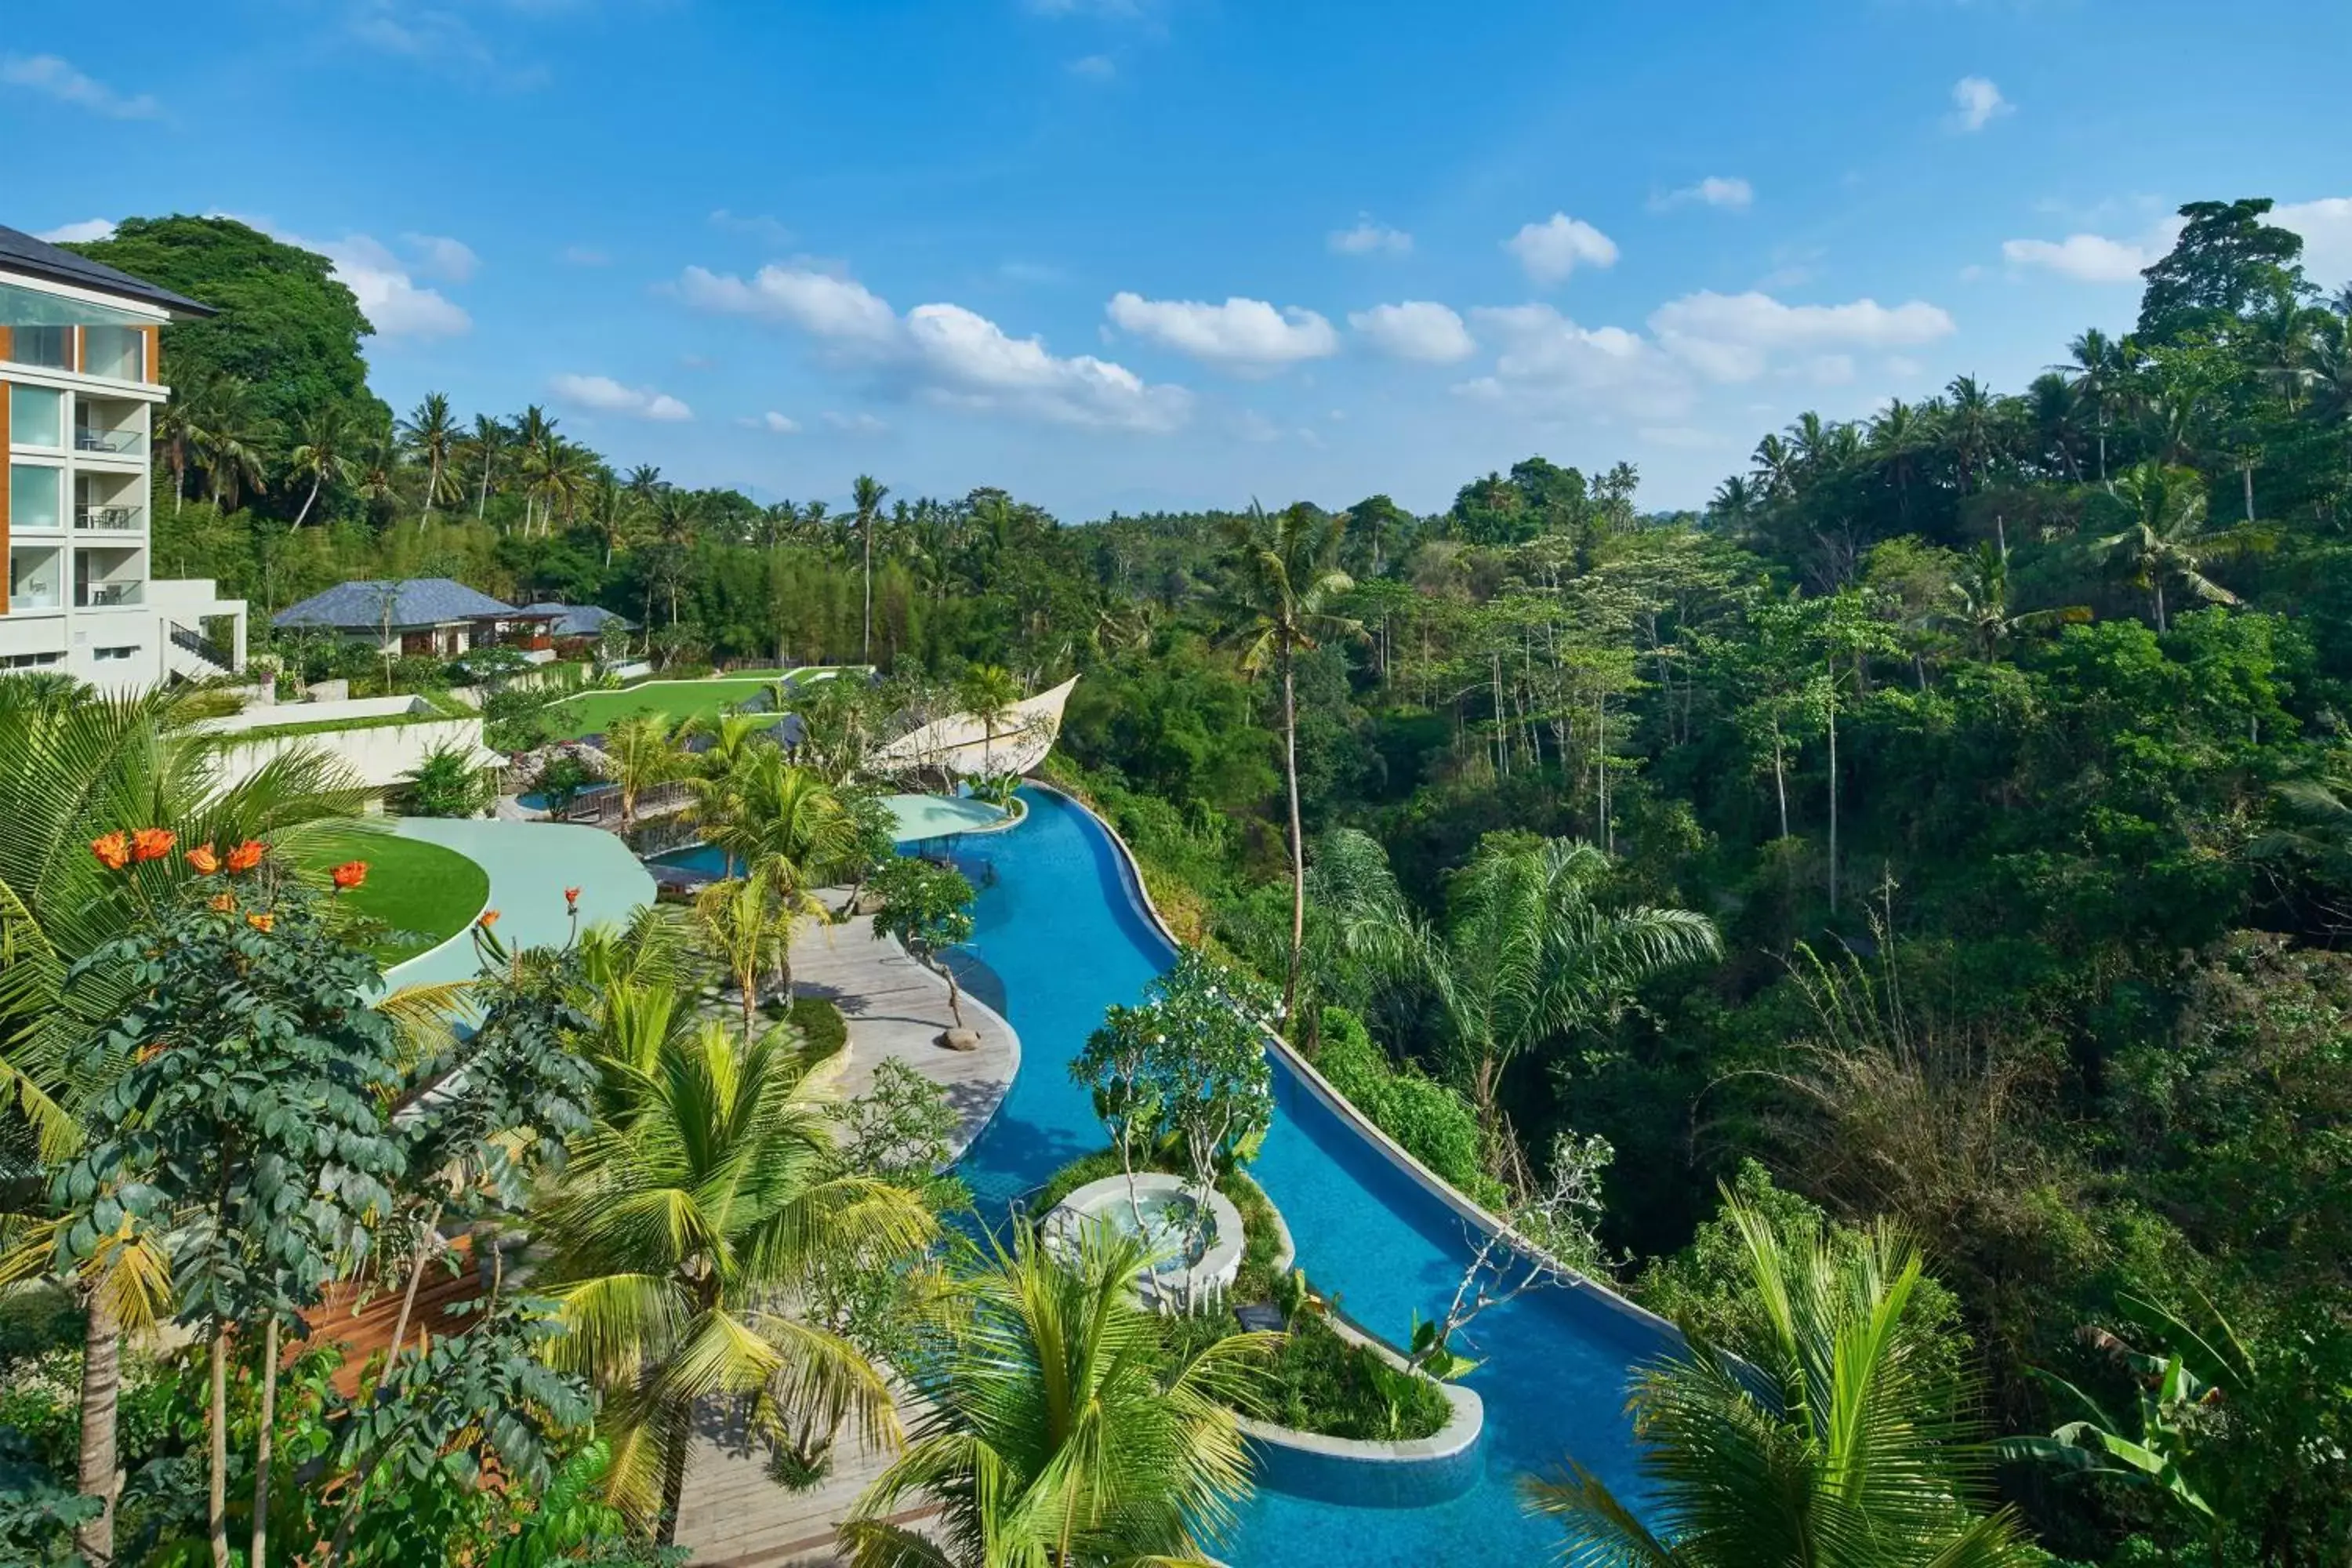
column 919, row 817
column 1059, row 925
column 1168, row 1218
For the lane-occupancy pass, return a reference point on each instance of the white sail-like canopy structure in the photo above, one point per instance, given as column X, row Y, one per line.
column 962, row 747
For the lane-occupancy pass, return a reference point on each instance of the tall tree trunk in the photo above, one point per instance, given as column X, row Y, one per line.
column 955, row 998
column 868, row 655
column 2248, row 474
column 1297, row 846
column 101, row 1390
column 316, row 481
column 416, row 1262
column 482, row 493
column 217, row 1420
column 2160, row 627
column 262, row 1444
column 432, row 486
column 1834, row 796
column 1780, row 778
column 674, row 1482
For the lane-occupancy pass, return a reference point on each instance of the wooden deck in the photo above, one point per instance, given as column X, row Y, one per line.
column 363, row 1327
column 733, row 1514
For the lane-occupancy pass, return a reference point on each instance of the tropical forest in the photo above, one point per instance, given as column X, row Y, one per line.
column 1884, row 935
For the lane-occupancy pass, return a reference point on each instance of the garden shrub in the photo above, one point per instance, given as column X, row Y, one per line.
column 1433, row 1120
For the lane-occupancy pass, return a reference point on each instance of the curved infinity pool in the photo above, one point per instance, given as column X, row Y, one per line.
column 1059, row 924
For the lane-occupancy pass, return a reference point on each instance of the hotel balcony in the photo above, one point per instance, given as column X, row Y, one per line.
column 110, row 519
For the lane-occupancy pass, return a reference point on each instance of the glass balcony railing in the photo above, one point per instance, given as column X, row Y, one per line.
column 119, row 441
column 105, row 596
column 33, row 598
column 110, row 519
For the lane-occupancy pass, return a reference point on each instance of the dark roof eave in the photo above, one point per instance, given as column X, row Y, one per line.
column 22, row 253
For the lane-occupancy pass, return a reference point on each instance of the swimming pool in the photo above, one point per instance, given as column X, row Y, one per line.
column 1059, row 925
column 919, row 817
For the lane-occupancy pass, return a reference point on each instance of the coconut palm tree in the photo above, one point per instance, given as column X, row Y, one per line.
column 430, row 434
column 706, row 1197
column 865, row 494
column 783, row 825
column 2165, row 539
column 225, row 434
column 483, row 449
column 990, row 694
column 1528, row 951
column 1276, row 606
column 733, row 738
column 749, row 930
column 642, row 750
column 1979, row 603
column 1061, row 1430
column 2096, row 367
column 323, row 454
column 1842, row 1441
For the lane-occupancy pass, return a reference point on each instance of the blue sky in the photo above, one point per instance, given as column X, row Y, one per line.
column 1144, row 253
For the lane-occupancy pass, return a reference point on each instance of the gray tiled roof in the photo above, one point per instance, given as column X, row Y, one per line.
column 578, row 620
column 20, row 252
column 416, row 602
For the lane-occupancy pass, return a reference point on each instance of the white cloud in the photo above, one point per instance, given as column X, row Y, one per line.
column 1548, row 364
column 775, row 424
column 860, row 424
column 1731, row 337
column 1416, row 330
column 1249, row 337
column 2086, row 258
column 1552, row 249
column 1094, row 68
column 2325, row 225
column 605, row 395
column 88, row 228
column 1724, row 191
column 943, row 352
column 1976, row 104
column 391, row 299
column 816, row 302
column 438, row 255
column 1370, row 239
column 55, row 78
column 759, row 225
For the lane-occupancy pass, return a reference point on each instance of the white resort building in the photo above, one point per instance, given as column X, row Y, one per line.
column 80, row 377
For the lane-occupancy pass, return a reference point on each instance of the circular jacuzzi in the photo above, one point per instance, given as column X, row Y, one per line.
column 1190, row 1257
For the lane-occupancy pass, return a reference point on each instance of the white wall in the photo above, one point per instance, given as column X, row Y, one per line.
column 266, row 715
column 379, row 757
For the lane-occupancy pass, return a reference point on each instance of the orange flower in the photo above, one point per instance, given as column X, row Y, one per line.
column 222, row 904
column 245, row 856
column 489, row 917
column 570, row 899
column 348, row 875
column 152, row 843
column 113, row 849
column 203, row 859
column 261, row 922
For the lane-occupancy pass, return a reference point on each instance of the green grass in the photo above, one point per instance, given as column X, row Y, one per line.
column 422, row 892
column 439, row 713
column 593, row 712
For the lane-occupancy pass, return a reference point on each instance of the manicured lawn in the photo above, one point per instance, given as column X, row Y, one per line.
column 590, row 712
column 422, row 891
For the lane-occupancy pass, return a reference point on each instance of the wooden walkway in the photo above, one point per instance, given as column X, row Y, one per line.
column 733, row 1514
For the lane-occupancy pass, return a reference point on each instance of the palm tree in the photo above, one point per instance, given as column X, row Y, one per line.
column 782, row 825
column 865, row 494
column 749, row 930
column 1528, row 951
column 706, row 1195
column 612, row 512
column 642, row 750
column 1061, row 1430
column 488, row 443
column 2165, row 539
column 2095, row 369
column 1968, row 425
column 677, row 514
column 225, row 433
column 322, row 456
column 990, row 694
column 430, row 433
column 1836, row 1438
column 1276, row 608
column 1979, row 606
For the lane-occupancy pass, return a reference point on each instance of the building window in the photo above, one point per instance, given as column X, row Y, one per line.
column 33, row 580
column 108, row 655
column 30, row 661
column 117, row 351
column 36, row 417
column 51, row 348
column 34, row 496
